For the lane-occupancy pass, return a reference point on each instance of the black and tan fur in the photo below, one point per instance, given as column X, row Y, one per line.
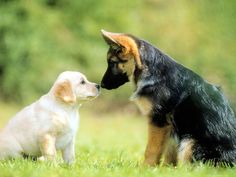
column 177, row 101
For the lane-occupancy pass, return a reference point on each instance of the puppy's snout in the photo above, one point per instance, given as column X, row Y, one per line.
column 97, row 86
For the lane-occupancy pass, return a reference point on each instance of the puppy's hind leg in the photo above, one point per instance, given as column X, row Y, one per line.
column 9, row 147
column 185, row 154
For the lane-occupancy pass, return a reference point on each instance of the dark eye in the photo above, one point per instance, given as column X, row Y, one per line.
column 112, row 63
column 119, row 50
column 82, row 82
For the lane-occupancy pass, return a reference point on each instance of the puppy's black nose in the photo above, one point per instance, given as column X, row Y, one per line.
column 97, row 86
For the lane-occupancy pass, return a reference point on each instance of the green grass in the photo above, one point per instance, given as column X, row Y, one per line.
column 109, row 144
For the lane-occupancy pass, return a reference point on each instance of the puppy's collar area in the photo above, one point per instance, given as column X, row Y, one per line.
column 140, row 86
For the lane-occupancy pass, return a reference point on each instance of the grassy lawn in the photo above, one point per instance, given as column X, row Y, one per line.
column 107, row 145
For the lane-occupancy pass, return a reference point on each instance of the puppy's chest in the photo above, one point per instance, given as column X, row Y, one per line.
column 66, row 129
column 144, row 104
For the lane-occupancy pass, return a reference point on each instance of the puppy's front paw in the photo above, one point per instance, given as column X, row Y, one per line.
column 70, row 160
column 149, row 163
column 48, row 161
column 44, row 158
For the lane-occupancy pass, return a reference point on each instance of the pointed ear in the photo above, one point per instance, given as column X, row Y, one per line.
column 64, row 92
column 110, row 39
column 128, row 44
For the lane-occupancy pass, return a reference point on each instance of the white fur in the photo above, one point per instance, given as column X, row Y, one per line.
column 48, row 124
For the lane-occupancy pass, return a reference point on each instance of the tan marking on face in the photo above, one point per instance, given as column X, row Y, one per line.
column 129, row 46
column 109, row 55
column 185, row 154
column 64, row 92
column 157, row 137
column 127, row 67
column 144, row 104
column 121, row 66
column 114, row 59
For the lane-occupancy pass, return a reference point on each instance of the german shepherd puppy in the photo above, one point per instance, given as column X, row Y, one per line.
column 178, row 102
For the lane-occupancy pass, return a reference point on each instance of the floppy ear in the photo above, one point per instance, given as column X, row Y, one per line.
column 127, row 43
column 64, row 92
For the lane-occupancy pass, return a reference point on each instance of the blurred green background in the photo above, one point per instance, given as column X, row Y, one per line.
column 41, row 38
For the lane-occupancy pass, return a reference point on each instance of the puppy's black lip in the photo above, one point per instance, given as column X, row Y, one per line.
column 108, row 88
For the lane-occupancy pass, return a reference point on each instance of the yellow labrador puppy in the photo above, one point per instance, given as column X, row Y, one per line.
column 49, row 124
